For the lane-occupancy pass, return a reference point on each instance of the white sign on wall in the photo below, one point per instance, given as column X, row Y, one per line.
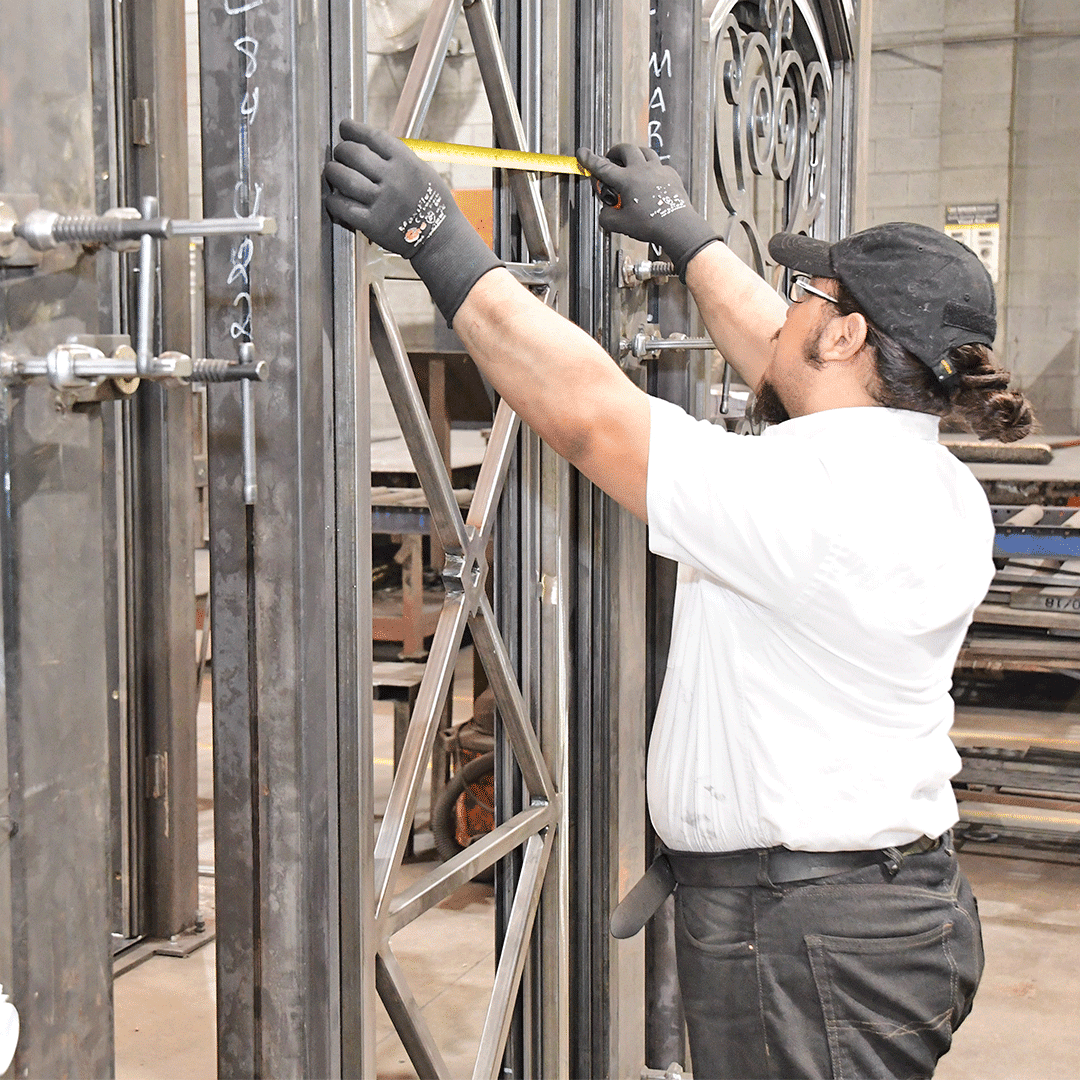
column 978, row 225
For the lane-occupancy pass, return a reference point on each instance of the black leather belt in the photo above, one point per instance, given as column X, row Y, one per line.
column 739, row 869
column 778, row 866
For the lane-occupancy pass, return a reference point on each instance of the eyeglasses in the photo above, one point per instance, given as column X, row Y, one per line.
column 800, row 286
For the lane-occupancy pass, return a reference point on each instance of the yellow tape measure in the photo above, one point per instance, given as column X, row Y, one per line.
column 492, row 158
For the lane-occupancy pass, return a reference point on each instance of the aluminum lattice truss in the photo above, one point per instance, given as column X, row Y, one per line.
column 465, row 575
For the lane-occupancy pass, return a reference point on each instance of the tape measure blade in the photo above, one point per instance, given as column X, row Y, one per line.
column 494, row 158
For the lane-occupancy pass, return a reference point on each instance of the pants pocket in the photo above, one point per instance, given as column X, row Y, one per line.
column 890, row 1004
column 717, row 965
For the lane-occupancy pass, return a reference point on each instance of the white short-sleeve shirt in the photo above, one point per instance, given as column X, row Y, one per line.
column 828, row 573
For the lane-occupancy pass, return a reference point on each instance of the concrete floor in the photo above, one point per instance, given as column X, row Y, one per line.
column 1023, row 1025
column 165, row 1009
column 165, row 1006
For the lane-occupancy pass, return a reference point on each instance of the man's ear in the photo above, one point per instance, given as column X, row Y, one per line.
column 844, row 337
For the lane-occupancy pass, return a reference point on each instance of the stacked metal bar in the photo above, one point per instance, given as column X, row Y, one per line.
column 1020, row 781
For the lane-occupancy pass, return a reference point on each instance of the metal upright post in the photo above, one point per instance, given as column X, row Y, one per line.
column 352, row 442
column 291, row 615
column 676, row 132
column 608, row 730
column 160, row 430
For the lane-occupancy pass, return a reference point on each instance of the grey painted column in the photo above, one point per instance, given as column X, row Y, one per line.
column 55, row 960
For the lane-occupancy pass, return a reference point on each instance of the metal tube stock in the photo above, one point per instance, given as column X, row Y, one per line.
column 643, row 347
column 406, row 1016
column 424, row 70
column 43, row 230
column 398, row 375
column 22, row 367
column 255, row 226
column 532, row 274
column 144, row 353
column 509, row 130
column 401, row 804
column 107, row 230
column 247, row 418
column 493, row 469
column 684, row 344
column 511, row 703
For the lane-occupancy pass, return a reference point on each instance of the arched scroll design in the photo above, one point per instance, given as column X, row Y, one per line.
column 771, row 105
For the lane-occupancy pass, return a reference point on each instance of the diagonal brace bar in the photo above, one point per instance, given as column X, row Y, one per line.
column 455, row 872
column 512, row 961
column 425, row 68
column 493, row 469
column 509, row 130
column 415, row 424
column 492, row 650
column 401, row 805
column 407, row 1018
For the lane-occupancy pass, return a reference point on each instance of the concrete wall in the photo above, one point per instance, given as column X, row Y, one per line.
column 978, row 101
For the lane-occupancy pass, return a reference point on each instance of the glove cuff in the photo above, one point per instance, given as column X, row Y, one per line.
column 695, row 234
column 684, row 262
column 451, row 262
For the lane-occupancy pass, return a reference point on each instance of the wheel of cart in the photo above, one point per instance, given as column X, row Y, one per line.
column 465, row 809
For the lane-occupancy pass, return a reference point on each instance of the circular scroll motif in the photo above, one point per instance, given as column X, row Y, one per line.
column 771, row 105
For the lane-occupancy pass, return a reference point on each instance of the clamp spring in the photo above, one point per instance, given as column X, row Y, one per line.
column 214, row 370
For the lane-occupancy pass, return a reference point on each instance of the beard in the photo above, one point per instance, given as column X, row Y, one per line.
column 767, row 407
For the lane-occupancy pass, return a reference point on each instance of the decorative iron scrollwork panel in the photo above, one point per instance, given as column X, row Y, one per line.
column 772, row 102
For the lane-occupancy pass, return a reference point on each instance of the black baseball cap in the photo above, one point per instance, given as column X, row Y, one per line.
column 927, row 291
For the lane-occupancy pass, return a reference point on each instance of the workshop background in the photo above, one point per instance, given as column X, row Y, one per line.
column 230, row 958
column 968, row 118
column 977, row 103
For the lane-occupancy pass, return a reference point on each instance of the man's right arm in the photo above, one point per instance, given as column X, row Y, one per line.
column 645, row 199
column 741, row 311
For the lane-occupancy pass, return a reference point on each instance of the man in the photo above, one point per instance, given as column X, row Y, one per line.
column 800, row 761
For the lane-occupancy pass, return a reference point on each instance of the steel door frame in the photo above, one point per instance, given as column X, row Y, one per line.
column 290, row 517
column 574, row 553
column 298, row 927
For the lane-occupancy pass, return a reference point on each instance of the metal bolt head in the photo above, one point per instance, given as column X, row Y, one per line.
column 37, row 229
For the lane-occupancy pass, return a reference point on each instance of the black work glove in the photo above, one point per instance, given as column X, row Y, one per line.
column 652, row 204
column 381, row 188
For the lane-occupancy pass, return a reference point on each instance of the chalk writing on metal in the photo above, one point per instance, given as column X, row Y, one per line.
column 250, row 48
column 239, row 9
column 661, row 74
column 247, row 193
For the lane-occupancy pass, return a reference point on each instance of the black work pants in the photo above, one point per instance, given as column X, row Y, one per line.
column 855, row 976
